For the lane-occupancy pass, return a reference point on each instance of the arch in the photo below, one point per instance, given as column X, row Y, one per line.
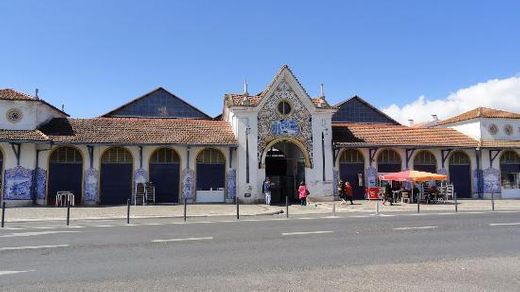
column 296, row 142
column 352, row 169
column 116, row 176
column 164, row 173
column 510, row 170
column 389, row 160
column 65, row 173
column 425, row 160
column 460, row 173
column 211, row 170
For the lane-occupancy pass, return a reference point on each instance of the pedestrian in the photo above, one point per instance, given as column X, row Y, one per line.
column 341, row 189
column 266, row 189
column 348, row 192
column 303, row 192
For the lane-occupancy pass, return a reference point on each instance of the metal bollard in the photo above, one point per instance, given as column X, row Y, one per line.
column 3, row 214
column 334, row 209
column 418, row 205
column 238, row 208
column 68, row 212
column 456, row 206
column 128, row 211
column 286, row 206
column 377, row 207
column 492, row 201
column 185, row 203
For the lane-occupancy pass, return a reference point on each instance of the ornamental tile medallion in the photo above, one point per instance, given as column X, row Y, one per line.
column 296, row 124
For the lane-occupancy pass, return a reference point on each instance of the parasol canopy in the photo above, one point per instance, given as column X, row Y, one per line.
column 412, row 175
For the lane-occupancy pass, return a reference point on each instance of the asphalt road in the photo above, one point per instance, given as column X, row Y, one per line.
column 465, row 252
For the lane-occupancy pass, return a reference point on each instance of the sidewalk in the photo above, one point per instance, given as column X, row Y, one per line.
column 19, row 214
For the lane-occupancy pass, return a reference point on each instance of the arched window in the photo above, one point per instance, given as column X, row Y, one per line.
column 211, row 156
column 459, row 158
column 351, row 156
column 66, row 155
column 425, row 158
column 388, row 161
column 116, row 155
column 164, row 156
column 510, row 170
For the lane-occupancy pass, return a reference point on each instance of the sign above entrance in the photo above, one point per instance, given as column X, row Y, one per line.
column 285, row 127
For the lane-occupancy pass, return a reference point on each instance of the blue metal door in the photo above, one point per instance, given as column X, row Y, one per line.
column 389, row 167
column 210, row 176
column 425, row 167
column 460, row 177
column 349, row 172
column 64, row 177
column 116, row 183
column 165, row 178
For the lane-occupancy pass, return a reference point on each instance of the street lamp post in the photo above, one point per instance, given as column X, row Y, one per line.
column 248, row 130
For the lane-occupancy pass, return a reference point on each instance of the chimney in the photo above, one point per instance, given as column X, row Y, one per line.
column 410, row 121
column 62, row 107
column 245, row 88
column 36, row 94
column 322, row 91
column 435, row 117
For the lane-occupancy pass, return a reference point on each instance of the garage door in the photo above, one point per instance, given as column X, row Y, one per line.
column 165, row 175
column 460, row 174
column 116, row 176
column 65, row 173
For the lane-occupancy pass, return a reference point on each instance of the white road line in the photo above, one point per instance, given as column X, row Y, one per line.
column 103, row 226
column 305, row 218
column 505, row 224
column 307, row 232
column 32, row 247
column 2, row 273
column 183, row 239
column 415, row 227
column 330, row 217
column 35, row 233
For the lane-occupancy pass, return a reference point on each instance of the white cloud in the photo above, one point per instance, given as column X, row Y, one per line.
column 501, row 94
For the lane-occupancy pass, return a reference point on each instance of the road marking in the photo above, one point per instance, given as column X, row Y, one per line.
column 183, row 239
column 307, row 232
column 2, row 273
column 330, row 217
column 305, row 218
column 32, row 247
column 505, row 224
column 103, row 226
column 415, row 227
column 24, row 234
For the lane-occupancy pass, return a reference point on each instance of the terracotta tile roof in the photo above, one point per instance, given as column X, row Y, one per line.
column 500, row 144
column 321, row 102
column 11, row 94
column 481, row 112
column 362, row 135
column 22, row 136
column 132, row 131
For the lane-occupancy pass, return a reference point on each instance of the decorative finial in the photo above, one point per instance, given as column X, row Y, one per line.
column 245, row 88
column 36, row 93
column 322, row 92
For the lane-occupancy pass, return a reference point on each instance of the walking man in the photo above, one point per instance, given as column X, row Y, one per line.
column 348, row 192
column 266, row 189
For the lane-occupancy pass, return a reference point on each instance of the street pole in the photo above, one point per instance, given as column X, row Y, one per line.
column 334, row 208
column 455, row 197
column 492, row 201
column 3, row 214
column 238, row 208
column 128, row 211
column 185, row 202
column 286, row 206
column 68, row 212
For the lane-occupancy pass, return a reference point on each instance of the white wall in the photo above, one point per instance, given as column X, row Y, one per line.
column 34, row 114
column 501, row 134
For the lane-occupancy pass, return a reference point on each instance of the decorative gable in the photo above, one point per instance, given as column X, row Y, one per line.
column 283, row 115
column 357, row 110
column 159, row 103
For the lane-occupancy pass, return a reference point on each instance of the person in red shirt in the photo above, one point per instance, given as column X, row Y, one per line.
column 303, row 192
column 348, row 192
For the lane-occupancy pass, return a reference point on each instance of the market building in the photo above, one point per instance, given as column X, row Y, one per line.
column 281, row 132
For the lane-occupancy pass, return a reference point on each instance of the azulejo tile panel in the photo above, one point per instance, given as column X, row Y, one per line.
column 492, row 180
column 187, row 183
column 295, row 125
column 91, row 184
column 231, row 183
column 17, row 183
column 41, row 183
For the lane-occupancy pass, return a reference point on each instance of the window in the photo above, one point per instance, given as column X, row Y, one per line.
column 510, row 170
column 116, row 155
column 284, row 108
column 459, row 158
column 389, row 157
column 66, row 155
column 211, row 156
column 164, row 155
column 425, row 158
column 351, row 156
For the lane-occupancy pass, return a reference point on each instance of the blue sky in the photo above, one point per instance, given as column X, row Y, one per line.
column 93, row 56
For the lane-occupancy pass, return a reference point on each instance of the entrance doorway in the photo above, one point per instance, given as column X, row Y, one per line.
column 285, row 165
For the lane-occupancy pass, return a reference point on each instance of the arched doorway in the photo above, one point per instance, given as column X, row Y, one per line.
column 425, row 161
column 211, row 171
column 116, row 176
column 351, row 168
column 65, row 173
column 460, row 174
column 164, row 170
column 510, row 170
column 285, row 166
column 388, row 161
